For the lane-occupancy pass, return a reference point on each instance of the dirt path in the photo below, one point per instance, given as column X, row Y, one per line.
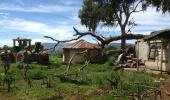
column 4, row 94
column 2, row 97
column 165, row 89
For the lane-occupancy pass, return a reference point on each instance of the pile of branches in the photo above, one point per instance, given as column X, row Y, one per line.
column 65, row 77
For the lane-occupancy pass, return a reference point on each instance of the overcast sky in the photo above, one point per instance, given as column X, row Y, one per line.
column 36, row 18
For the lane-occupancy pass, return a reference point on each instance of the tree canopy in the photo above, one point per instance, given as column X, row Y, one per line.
column 161, row 5
column 114, row 13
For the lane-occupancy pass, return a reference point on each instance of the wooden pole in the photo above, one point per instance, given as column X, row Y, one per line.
column 29, row 42
column 13, row 42
column 138, row 58
column 161, row 56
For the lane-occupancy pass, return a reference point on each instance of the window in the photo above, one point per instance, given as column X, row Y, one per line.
column 155, row 51
column 152, row 51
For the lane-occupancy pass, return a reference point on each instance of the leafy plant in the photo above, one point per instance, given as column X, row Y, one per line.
column 59, row 55
column 37, row 74
column 8, row 79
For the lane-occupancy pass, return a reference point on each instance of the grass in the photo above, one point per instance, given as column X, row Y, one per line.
column 95, row 76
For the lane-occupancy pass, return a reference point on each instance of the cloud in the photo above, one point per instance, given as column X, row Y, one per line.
column 5, row 42
column 151, row 20
column 61, row 28
column 37, row 8
column 4, row 15
column 59, row 31
column 147, row 22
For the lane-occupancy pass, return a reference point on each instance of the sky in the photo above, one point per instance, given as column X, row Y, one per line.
column 37, row 18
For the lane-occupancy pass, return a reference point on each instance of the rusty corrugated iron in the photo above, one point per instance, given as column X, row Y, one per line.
column 81, row 44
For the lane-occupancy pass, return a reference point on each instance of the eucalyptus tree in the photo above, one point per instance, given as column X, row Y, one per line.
column 111, row 13
column 161, row 5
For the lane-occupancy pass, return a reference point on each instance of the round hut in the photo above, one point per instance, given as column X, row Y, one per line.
column 76, row 49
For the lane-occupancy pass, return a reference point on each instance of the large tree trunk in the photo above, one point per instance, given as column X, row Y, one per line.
column 123, row 40
column 123, row 44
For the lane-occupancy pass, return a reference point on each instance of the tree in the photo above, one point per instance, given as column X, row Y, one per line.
column 114, row 13
column 161, row 5
column 90, row 15
column 109, row 13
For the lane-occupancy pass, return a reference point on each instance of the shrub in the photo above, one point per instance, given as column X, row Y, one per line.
column 111, row 61
column 37, row 74
column 8, row 80
column 59, row 55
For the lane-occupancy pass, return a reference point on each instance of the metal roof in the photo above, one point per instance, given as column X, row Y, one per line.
column 82, row 44
column 21, row 39
column 159, row 34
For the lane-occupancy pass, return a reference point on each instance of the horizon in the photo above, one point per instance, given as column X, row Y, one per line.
column 25, row 19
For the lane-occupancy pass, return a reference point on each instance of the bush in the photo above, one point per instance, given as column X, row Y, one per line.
column 59, row 55
column 37, row 74
column 8, row 80
column 111, row 61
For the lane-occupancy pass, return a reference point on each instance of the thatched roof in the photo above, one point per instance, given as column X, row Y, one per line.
column 82, row 44
column 162, row 34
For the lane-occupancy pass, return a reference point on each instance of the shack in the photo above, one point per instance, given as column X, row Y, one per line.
column 154, row 50
column 74, row 50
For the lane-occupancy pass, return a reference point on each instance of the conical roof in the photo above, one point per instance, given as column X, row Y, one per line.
column 83, row 44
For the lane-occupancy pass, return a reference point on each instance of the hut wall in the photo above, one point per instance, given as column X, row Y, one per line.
column 142, row 50
column 78, row 58
column 66, row 55
column 156, row 65
column 168, row 64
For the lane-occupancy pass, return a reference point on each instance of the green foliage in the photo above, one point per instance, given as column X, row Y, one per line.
column 161, row 5
column 37, row 74
column 90, row 15
column 111, row 61
column 35, row 92
column 95, row 75
column 133, row 82
column 8, row 80
column 104, row 12
column 59, row 55
column 56, row 59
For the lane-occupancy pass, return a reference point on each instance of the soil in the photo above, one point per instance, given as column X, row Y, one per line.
column 165, row 89
column 2, row 96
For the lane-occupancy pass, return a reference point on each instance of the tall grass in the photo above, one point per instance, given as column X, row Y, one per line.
column 95, row 75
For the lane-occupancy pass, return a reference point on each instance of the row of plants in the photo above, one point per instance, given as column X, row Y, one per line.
column 93, row 78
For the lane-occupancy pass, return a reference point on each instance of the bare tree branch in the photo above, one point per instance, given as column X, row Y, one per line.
column 104, row 41
column 60, row 41
column 77, row 71
column 71, row 59
column 135, row 8
column 113, row 38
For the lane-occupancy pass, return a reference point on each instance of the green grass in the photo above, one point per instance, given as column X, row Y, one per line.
column 94, row 75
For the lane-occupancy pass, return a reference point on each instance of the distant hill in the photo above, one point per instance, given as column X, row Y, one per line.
column 60, row 47
column 118, row 45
